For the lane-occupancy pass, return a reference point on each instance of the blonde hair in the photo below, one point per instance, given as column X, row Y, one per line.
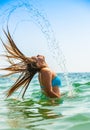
column 26, row 66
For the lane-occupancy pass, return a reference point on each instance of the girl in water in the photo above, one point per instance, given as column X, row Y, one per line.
column 28, row 67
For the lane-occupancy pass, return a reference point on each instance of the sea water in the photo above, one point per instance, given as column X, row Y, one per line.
column 37, row 112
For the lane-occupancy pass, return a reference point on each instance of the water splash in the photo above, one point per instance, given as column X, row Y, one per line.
column 37, row 15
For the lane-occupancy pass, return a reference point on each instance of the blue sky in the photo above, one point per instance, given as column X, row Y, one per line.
column 70, row 21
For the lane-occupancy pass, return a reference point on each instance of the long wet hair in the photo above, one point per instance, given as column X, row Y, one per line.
column 26, row 66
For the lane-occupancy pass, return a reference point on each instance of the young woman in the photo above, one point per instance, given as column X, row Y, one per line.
column 28, row 67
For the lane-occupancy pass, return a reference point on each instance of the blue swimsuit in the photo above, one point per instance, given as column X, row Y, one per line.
column 55, row 82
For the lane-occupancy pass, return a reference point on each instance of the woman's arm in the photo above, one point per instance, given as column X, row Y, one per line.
column 46, row 78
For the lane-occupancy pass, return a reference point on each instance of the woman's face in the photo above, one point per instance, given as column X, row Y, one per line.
column 40, row 60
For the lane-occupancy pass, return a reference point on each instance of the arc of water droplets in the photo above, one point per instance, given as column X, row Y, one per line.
column 53, row 45
column 41, row 20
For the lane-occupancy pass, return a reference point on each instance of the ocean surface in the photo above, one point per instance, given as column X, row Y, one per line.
column 37, row 112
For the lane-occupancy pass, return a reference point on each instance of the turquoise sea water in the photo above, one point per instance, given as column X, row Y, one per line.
column 36, row 112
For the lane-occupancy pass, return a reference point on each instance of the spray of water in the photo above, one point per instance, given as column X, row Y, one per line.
column 40, row 19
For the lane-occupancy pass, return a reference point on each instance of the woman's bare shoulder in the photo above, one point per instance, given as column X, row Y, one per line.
column 45, row 71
